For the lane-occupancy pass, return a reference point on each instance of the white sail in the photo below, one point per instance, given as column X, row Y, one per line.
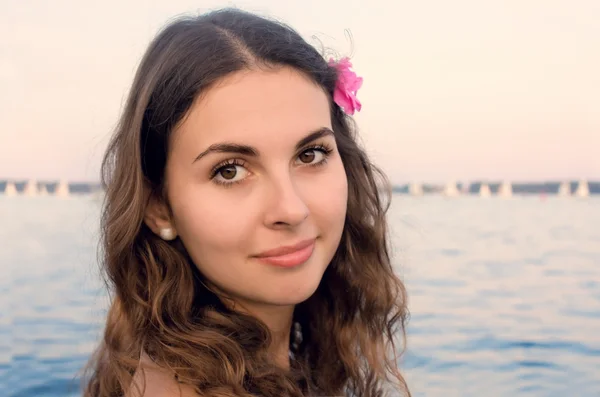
column 583, row 190
column 564, row 189
column 451, row 190
column 31, row 188
column 62, row 189
column 43, row 190
column 10, row 189
column 415, row 189
column 465, row 188
column 484, row 190
column 505, row 190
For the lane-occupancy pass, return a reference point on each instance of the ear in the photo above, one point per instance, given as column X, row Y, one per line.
column 158, row 219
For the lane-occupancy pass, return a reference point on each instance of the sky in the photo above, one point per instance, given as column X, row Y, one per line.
column 460, row 90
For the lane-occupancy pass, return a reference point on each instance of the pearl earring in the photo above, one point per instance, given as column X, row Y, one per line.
column 167, row 234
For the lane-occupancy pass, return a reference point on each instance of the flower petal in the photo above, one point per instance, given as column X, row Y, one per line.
column 347, row 86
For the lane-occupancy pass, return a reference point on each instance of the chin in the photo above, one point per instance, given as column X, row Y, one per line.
column 291, row 300
column 296, row 293
column 290, row 286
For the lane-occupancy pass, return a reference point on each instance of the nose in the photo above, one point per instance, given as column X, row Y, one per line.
column 285, row 207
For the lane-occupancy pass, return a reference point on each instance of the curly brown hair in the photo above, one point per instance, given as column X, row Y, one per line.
column 353, row 325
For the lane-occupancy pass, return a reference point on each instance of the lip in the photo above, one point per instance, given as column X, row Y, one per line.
column 290, row 255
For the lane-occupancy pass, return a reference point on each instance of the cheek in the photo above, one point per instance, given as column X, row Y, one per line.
column 208, row 225
column 330, row 200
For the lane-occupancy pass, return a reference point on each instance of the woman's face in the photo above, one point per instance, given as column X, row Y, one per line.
column 254, row 168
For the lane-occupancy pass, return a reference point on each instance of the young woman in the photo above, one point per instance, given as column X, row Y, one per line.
column 244, row 231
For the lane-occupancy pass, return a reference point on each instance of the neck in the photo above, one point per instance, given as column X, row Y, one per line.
column 279, row 321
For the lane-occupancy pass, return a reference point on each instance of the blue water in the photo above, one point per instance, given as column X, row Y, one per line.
column 504, row 294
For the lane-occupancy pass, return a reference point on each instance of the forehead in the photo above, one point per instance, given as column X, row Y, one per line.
column 254, row 105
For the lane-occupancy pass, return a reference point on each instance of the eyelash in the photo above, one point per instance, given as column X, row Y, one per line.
column 215, row 171
column 323, row 148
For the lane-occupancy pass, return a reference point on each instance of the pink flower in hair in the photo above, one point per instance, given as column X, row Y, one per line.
column 346, row 86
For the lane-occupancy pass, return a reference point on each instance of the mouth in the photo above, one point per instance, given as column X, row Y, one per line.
column 288, row 256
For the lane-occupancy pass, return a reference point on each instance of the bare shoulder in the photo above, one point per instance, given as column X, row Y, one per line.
column 150, row 380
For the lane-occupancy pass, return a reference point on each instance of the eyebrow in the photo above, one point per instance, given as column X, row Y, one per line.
column 228, row 147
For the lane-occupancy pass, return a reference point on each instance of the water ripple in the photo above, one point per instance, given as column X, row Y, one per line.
column 504, row 295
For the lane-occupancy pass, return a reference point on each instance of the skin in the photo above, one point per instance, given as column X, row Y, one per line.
column 280, row 197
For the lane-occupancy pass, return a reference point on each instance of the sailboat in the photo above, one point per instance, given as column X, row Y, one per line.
column 43, row 190
column 415, row 189
column 31, row 188
column 484, row 190
column 451, row 190
column 62, row 189
column 564, row 189
column 465, row 189
column 10, row 189
column 583, row 189
column 505, row 190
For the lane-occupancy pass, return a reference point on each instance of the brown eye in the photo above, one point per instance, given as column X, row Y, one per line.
column 229, row 172
column 308, row 156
